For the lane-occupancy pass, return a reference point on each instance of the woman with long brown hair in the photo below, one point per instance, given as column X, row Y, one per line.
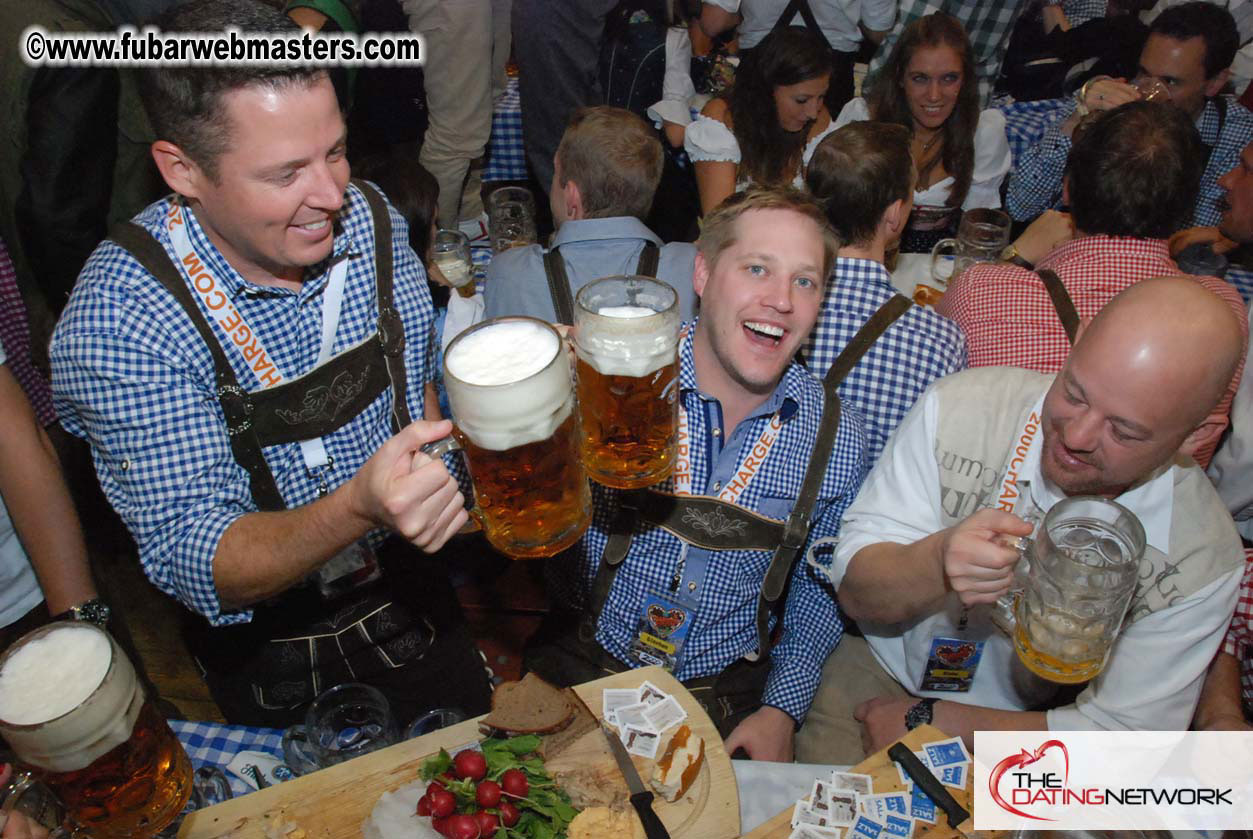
column 769, row 123
column 928, row 85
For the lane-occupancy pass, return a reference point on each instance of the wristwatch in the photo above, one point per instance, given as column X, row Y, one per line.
column 93, row 611
column 919, row 713
column 1011, row 254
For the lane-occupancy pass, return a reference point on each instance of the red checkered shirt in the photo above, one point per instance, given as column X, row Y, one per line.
column 1009, row 320
column 1240, row 633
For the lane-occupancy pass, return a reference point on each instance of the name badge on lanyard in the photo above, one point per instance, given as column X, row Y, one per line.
column 953, row 661
column 665, row 618
column 356, row 565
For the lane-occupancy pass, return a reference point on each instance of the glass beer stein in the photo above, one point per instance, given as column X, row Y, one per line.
column 516, row 420
column 626, row 341
column 1083, row 565
column 73, row 711
column 981, row 236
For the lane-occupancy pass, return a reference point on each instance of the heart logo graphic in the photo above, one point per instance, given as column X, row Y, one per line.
column 665, row 621
column 1026, row 758
column 955, row 656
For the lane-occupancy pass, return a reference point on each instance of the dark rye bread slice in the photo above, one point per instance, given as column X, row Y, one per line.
column 529, row 706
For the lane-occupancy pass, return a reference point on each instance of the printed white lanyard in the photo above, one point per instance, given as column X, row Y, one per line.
column 743, row 474
column 220, row 310
column 1007, row 498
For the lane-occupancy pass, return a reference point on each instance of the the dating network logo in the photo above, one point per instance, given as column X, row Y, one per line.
column 1031, row 783
column 1026, row 787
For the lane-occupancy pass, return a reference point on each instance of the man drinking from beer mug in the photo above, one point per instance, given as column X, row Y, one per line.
column 923, row 551
column 700, row 603
column 247, row 359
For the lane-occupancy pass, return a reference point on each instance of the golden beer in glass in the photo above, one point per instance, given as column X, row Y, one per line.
column 626, row 339
column 1083, row 568
column 516, row 417
column 73, row 710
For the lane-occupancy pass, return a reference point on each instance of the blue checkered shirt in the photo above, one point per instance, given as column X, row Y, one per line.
column 987, row 22
column 920, row 347
column 1242, row 278
column 1040, row 150
column 132, row 376
column 1081, row 11
column 724, row 628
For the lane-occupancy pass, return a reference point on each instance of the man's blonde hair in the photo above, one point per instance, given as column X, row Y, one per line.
column 719, row 229
column 615, row 158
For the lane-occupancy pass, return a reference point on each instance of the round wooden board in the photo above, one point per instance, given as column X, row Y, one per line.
column 334, row 802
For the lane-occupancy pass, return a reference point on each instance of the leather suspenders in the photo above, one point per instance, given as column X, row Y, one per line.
column 559, row 280
column 689, row 517
column 282, row 414
column 1062, row 304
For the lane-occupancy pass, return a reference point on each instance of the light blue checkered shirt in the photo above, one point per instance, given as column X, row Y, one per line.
column 920, row 347
column 724, row 628
column 1040, row 150
column 132, row 376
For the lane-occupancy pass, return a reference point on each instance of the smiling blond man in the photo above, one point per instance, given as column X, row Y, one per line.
column 749, row 418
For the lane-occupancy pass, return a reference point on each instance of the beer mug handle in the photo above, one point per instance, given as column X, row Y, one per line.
column 438, row 449
column 1003, row 610
column 297, row 751
column 936, row 251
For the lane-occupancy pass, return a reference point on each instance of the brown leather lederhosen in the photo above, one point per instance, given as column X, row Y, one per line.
column 559, row 280
column 716, row 525
column 297, row 643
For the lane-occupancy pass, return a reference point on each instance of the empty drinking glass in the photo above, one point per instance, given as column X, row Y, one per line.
column 347, row 721
column 511, row 217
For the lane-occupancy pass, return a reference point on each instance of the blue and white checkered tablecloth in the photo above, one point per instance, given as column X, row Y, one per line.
column 506, row 160
column 214, row 744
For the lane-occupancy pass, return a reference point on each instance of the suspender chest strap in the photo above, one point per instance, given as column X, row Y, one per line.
column 1062, row 304
column 712, row 524
column 306, row 407
column 559, row 280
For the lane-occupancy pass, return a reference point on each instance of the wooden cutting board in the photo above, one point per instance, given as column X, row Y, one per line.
column 883, row 772
column 333, row 802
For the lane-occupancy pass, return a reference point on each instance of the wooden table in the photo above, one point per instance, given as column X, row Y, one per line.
column 883, row 772
column 334, row 802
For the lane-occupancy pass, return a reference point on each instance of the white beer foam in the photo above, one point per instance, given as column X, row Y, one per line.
column 503, row 353
column 627, row 350
column 529, row 396
column 69, row 733
column 52, row 675
column 625, row 312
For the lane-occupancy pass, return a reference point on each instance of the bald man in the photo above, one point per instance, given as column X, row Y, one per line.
column 918, row 573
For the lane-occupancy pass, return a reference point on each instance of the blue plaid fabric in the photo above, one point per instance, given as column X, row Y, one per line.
column 132, row 376
column 1082, row 11
column 1040, row 149
column 920, row 347
column 1242, row 278
column 506, row 159
column 724, row 626
column 213, row 744
column 987, row 22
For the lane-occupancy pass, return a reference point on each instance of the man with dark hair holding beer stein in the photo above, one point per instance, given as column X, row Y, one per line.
column 1110, row 435
column 605, row 173
column 247, row 359
column 677, row 575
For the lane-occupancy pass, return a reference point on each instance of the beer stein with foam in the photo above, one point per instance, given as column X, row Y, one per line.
column 626, row 338
column 516, row 420
column 73, row 711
